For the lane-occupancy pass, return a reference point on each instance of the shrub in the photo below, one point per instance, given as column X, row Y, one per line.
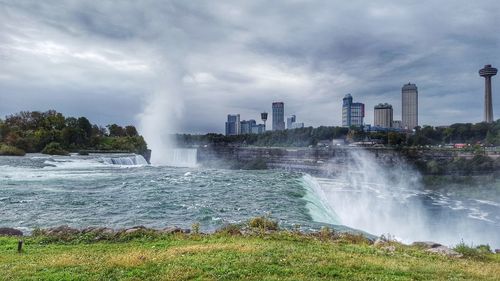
column 479, row 252
column 230, row 229
column 325, row 232
column 11, row 150
column 195, row 228
column 54, row 148
column 263, row 223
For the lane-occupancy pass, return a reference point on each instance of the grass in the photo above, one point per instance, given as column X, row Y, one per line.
column 279, row 255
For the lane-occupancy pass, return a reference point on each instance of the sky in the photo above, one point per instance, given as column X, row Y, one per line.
column 185, row 65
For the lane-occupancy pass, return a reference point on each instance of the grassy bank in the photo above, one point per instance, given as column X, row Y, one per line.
column 224, row 256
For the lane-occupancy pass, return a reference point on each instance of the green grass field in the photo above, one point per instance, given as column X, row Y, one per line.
column 276, row 256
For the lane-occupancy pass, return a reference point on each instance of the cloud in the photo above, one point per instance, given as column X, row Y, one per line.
column 111, row 60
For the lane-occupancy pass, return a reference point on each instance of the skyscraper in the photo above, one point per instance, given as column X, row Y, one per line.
column 409, row 94
column 290, row 120
column 352, row 112
column 278, row 116
column 233, row 125
column 246, row 126
column 487, row 72
column 383, row 115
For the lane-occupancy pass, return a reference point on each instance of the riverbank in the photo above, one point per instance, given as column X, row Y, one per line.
column 258, row 253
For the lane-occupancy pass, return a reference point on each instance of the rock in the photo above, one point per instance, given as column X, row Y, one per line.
column 62, row 230
column 379, row 242
column 171, row 229
column 7, row 231
column 426, row 244
column 445, row 251
column 134, row 229
column 390, row 248
column 98, row 230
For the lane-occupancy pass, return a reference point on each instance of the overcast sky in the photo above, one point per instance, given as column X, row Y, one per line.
column 188, row 64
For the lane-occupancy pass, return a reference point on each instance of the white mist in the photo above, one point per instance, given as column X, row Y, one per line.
column 369, row 196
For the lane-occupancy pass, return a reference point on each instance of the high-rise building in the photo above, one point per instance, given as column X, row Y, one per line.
column 278, row 116
column 409, row 94
column 290, row 120
column 233, row 125
column 297, row 125
column 246, row 126
column 383, row 115
column 487, row 72
column 352, row 112
column 397, row 124
column 258, row 129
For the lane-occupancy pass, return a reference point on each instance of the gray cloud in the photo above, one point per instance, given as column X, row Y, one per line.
column 111, row 60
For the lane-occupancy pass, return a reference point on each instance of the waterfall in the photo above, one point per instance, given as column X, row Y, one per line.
column 133, row 160
column 180, row 157
column 381, row 198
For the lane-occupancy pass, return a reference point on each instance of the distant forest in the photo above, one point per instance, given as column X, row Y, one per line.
column 52, row 133
column 480, row 133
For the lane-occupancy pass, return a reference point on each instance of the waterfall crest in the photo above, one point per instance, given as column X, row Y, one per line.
column 125, row 160
column 180, row 157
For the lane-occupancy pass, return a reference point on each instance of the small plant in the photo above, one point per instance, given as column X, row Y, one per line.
column 479, row 252
column 11, row 150
column 195, row 227
column 54, row 148
column 325, row 232
column 230, row 229
column 263, row 223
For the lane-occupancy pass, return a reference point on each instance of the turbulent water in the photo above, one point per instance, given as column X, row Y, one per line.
column 123, row 191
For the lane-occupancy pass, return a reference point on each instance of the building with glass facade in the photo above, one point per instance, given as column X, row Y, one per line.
column 278, row 116
column 353, row 113
column 233, row 125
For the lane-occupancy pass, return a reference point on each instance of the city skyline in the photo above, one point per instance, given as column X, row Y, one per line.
column 191, row 64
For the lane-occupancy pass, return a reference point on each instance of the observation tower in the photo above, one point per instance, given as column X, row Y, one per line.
column 487, row 72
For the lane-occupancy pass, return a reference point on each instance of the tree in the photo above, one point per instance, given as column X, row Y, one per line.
column 116, row 131
column 131, row 131
column 84, row 125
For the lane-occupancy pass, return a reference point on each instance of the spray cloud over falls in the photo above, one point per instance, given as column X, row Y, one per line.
column 382, row 199
column 158, row 121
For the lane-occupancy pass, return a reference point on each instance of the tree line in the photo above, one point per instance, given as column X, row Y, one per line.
column 480, row 133
column 51, row 131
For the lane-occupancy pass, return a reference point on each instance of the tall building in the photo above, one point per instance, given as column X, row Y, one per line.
column 352, row 112
column 233, row 125
column 258, row 129
column 290, row 120
column 246, row 126
column 409, row 94
column 487, row 72
column 278, row 116
column 383, row 115
column 396, row 124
